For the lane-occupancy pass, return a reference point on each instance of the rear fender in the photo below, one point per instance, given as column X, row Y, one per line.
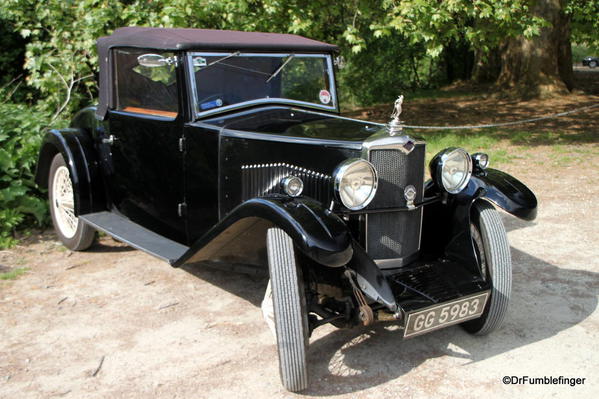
column 318, row 233
column 76, row 148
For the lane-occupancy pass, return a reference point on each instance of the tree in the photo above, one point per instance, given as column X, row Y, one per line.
column 469, row 34
column 540, row 65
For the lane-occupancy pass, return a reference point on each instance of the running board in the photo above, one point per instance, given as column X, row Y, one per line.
column 135, row 235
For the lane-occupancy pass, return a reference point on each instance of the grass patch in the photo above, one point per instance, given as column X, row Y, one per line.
column 535, row 138
column 13, row 274
column 483, row 141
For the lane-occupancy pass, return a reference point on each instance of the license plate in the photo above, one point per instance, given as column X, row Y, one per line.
column 445, row 314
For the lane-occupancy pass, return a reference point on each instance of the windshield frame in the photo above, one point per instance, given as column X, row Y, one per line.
column 196, row 113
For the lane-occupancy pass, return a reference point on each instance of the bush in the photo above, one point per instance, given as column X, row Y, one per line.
column 21, row 202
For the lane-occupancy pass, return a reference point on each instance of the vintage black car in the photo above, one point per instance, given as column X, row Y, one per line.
column 227, row 147
column 591, row 62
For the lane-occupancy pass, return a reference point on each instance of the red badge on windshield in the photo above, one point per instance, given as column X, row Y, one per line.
column 325, row 96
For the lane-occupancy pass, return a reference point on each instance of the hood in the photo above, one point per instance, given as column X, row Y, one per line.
column 297, row 123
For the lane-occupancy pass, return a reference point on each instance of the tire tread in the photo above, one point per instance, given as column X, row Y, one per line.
column 289, row 310
column 498, row 257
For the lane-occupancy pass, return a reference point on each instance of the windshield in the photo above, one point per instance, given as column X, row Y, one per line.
column 228, row 80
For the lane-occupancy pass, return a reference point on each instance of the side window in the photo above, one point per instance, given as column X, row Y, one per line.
column 145, row 82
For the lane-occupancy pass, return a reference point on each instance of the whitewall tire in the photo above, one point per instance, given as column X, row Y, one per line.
column 73, row 233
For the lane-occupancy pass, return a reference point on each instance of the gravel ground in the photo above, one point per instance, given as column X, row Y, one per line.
column 114, row 322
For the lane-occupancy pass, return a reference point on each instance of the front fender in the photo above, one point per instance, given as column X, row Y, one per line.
column 318, row 233
column 77, row 150
column 447, row 225
column 505, row 191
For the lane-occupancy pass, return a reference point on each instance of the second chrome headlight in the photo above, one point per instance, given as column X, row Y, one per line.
column 451, row 169
column 355, row 183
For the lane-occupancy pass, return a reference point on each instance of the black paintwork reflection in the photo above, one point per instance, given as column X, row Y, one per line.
column 290, row 122
column 236, row 151
column 201, row 179
column 319, row 233
column 147, row 183
column 508, row 193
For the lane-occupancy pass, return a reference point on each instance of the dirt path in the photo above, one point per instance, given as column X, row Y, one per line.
column 165, row 332
column 113, row 322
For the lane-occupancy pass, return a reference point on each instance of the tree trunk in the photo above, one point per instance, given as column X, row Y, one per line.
column 486, row 66
column 541, row 65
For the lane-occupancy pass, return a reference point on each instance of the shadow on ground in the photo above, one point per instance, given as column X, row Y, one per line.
column 351, row 360
column 346, row 361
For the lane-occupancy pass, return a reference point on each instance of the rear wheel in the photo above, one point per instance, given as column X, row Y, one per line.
column 593, row 64
column 73, row 233
column 291, row 317
column 493, row 252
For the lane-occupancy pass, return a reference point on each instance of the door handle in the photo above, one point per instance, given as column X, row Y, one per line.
column 110, row 140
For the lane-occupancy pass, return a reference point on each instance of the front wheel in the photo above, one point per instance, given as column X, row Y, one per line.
column 291, row 316
column 493, row 253
column 593, row 64
column 74, row 234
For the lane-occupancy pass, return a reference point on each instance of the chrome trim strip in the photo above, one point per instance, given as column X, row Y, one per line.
column 191, row 88
column 259, row 101
column 331, row 73
column 382, row 141
column 287, row 139
column 339, row 117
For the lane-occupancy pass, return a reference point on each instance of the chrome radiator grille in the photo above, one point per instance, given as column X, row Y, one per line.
column 392, row 235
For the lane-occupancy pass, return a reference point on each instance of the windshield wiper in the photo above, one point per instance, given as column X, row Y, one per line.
column 222, row 59
column 275, row 73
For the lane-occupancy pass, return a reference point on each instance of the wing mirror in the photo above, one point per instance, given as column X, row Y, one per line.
column 154, row 60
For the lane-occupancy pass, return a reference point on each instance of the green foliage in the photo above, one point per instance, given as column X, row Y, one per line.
column 12, row 58
column 433, row 24
column 585, row 22
column 20, row 137
column 376, row 75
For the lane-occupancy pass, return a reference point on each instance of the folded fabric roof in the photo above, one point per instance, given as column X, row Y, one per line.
column 193, row 39
column 209, row 39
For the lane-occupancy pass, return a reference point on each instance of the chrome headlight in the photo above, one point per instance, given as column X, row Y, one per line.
column 481, row 160
column 355, row 183
column 451, row 169
column 292, row 186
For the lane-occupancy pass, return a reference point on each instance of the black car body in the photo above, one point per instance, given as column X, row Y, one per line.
column 228, row 147
column 591, row 62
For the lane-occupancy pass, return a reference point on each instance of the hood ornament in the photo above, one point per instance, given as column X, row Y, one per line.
column 395, row 128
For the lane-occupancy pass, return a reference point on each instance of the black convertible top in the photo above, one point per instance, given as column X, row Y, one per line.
column 174, row 39
column 209, row 39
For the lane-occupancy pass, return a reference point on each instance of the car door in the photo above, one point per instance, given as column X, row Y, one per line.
column 146, row 165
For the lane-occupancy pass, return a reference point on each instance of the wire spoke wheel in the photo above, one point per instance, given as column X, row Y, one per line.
column 73, row 233
column 64, row 202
